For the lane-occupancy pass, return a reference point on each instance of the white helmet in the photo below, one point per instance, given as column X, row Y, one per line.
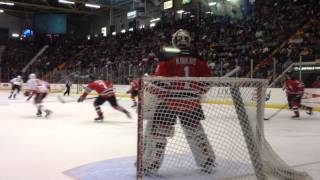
column 181, row 39
column 32, row 76
column 19, row 77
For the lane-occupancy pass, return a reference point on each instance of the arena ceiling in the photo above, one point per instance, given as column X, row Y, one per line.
column 54, row 6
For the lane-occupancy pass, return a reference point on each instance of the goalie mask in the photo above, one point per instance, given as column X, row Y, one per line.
column 181, row 39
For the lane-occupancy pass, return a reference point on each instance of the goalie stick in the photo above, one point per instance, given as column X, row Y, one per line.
column 63, row 101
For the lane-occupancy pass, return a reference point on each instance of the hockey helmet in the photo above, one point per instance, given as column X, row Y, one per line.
column 32, row 76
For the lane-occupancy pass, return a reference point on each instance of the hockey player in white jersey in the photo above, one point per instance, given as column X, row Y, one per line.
column 40, row 89
column 16, row 84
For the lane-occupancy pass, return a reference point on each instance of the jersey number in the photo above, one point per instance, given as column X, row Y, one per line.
column 101, row 83
column 186, row 71
column 186, row 74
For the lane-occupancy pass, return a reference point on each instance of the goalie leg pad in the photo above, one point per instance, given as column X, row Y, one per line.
column 155, row 142
column 200, row 146
column 153, row 155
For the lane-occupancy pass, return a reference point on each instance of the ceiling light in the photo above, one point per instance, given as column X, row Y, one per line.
column 154, row 20
column 180, row 11
column 92, row 6
column 66, row 2
column 152, row 24
column 7, row 3
column 15, row 35
column 212, row 3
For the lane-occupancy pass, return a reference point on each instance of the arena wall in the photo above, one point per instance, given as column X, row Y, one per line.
column 277, row 99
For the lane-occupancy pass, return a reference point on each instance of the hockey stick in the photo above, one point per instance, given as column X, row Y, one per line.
column 63, row 101
column 277, row 112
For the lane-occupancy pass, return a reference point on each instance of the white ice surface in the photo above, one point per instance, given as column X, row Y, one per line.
column 33, row 148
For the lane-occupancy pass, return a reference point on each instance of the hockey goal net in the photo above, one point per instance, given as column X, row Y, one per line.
column 205, row 128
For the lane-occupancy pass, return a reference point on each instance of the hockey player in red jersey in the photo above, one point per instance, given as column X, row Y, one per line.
column 134, row 90
column 105, row 90
column 179, row 99
column 294, row 90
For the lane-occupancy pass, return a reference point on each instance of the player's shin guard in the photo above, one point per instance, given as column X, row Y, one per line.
column 11, row 93
column 120, row 108
column 39, row 109
column 155, row 146
column 200, row 147
column 99, row 112
column 296, row 112
column 134, row 101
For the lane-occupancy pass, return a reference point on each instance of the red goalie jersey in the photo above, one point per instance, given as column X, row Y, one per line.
column 102, row 87
column 183, row 96
column 294, row 87
column 183, row 64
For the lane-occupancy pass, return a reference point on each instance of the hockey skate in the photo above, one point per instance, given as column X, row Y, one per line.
column 39, row 113
column 98, row 119
column 48, row 113
column 296, row 115
column 310, row 111
column 10, row 96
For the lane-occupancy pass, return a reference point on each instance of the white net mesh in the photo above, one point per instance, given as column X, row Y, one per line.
column 206, row 128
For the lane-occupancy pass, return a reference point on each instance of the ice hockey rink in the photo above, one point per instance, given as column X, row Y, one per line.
column 69, row 145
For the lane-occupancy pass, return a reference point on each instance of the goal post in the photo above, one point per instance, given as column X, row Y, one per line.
column 205, row 128
column 247, row 131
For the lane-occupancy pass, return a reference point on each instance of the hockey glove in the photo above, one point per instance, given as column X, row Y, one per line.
column 26, row 93
column 268, row 96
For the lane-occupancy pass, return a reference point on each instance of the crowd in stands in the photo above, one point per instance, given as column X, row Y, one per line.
column 280, row 31
column 16, row 56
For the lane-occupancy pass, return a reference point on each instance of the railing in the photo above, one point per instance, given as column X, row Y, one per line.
column 117, row 74
column 40, row 52
column 2, row 48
